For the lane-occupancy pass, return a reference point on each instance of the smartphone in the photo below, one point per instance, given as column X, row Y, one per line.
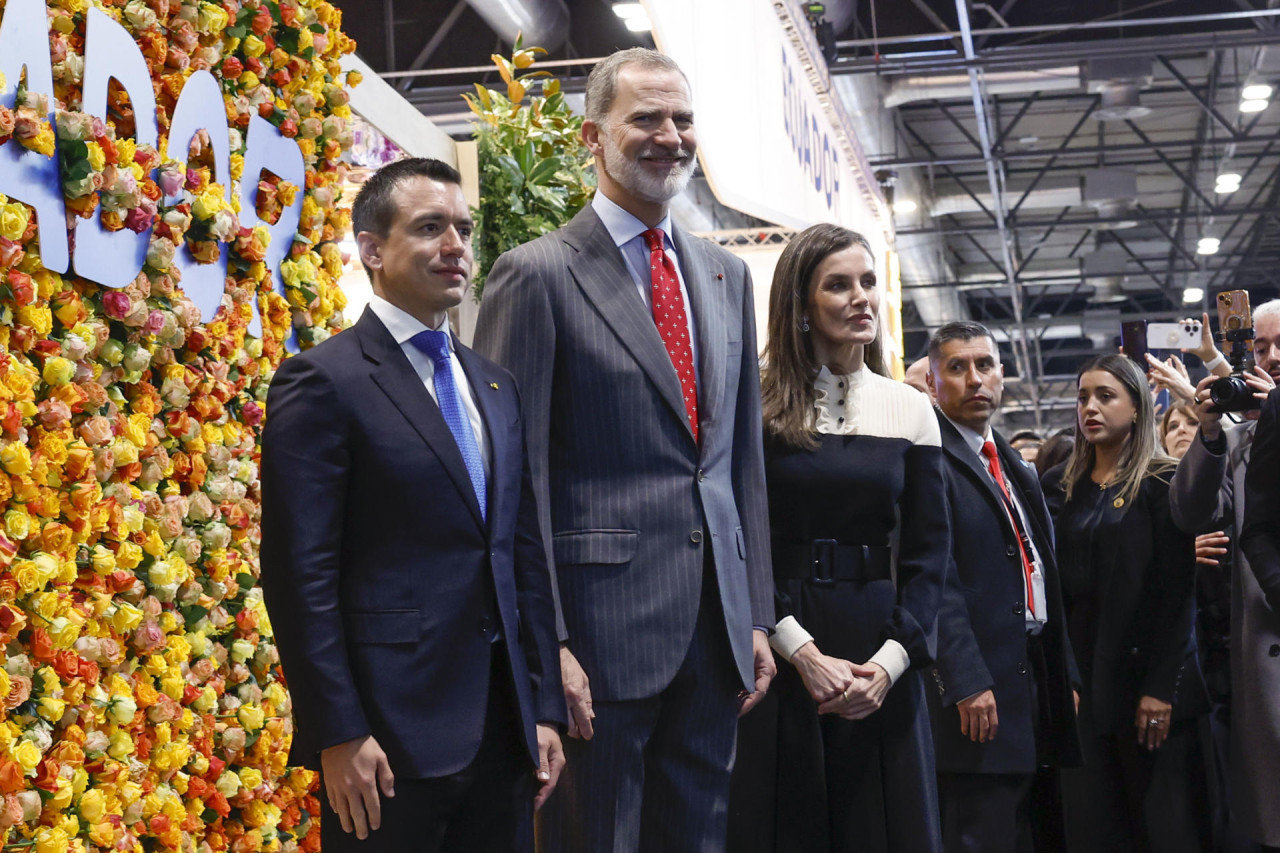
column 1184, row 335
column 1234, row 314
column 1133, row 341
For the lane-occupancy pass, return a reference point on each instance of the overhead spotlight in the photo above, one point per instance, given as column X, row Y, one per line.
column 1256, row 105
column 1208, row 246
column 906, row 205
column 1256, row 92
column 633, row 16
column 1227, row 182
column 1191, row 295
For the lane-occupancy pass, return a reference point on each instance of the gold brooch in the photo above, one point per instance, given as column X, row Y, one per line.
column 493, row 385
column 1117, row 503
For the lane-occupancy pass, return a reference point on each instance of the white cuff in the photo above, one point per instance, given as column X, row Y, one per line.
column 788, row 637
column 1213, row 363
column 893, row 659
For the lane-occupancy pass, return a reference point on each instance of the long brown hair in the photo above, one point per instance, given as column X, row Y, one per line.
column 1142, row 453
column 790, row 367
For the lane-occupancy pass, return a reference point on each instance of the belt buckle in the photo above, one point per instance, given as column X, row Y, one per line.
column 823, row 552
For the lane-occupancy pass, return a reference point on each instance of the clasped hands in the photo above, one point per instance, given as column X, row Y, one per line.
column 849, row 690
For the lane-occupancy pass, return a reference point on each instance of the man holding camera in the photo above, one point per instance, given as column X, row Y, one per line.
column 1209, row 485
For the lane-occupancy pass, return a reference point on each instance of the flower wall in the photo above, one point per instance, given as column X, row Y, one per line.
column 141, row 705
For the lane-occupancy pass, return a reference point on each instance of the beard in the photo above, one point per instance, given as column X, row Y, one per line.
column 631, row 176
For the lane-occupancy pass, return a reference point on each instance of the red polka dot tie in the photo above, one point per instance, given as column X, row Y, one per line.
column 672, row 321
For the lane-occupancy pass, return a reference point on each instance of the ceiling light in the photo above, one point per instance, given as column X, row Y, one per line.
column 1191, row 295
column 1208, row 246
column 1256, row 92
column 627, row 11
column 905, row 205
column 1228, row 182
column 1257, row 105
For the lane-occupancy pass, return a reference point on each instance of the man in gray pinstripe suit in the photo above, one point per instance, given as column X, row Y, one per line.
column 634, row 347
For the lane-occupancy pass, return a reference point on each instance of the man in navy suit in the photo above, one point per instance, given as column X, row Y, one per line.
column 401, row 558
column 1004, row 709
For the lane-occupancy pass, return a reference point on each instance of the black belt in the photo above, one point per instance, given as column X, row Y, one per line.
column 827, row 561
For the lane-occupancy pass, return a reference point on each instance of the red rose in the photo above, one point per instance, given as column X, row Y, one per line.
column 232, row 68
column 24, row 289
column 261, row 22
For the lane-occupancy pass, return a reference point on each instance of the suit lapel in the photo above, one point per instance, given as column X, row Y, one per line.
column 954, row 445
column 398, row 380
column 708, row 321
column 602, row 274
column 496, row 419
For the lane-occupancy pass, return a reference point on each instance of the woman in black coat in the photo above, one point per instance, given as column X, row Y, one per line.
column 1128, row 581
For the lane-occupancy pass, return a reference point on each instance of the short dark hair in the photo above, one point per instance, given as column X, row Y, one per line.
column 1025, row 435
column 960, row 330
column 374, row 210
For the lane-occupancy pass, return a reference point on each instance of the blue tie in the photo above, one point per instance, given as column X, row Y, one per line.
column 436, row 345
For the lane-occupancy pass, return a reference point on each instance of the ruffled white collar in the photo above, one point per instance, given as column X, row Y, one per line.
column 835, row 410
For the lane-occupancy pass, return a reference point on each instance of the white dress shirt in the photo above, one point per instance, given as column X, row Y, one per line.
column 1036, row 603
column 625, row 230
column 403, row 326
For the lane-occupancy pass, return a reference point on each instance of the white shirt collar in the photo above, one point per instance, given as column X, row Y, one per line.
column 971, row 438
column 621, row 225
column 400, row 323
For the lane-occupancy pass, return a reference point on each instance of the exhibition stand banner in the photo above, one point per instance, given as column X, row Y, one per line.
column 169, row 172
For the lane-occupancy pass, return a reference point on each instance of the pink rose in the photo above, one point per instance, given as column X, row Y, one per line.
column 6, row 121
column 116, row 304
column 54, row 413
column 171, row 179
column 11, row 253
column 26, row 123
column 138, row 219
column 251, row 413
column 148, row 637
column 155, row 322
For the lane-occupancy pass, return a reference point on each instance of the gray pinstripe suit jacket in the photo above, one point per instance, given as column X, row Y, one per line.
column 627, row 500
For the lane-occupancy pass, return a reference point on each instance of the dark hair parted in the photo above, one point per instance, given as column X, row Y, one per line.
column 960, row 330
column 1142, row 454
column 790, row 366
column 374, row 209
column 602, row 82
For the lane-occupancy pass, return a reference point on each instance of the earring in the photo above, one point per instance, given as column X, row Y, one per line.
column 804, row 324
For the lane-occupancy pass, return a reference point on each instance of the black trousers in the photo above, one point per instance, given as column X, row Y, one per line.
column 485, row 808
column 1008, row 812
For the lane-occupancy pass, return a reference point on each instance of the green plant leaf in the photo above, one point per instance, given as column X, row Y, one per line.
column 526, row 157
column 543, row 171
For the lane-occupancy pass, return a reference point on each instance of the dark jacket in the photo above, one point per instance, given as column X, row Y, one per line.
column 383, row 583
column 1130, row 600
column 982, row 637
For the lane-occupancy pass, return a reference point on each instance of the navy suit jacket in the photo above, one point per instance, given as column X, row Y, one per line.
column 383, row 583
column 982, row 635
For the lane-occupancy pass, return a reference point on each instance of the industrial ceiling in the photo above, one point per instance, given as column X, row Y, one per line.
column 1084, row 185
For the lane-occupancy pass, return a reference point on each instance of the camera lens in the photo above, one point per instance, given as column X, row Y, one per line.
column 1231, row 394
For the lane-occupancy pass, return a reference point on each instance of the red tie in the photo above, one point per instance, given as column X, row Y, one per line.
column 672, row 321
column 993, row 465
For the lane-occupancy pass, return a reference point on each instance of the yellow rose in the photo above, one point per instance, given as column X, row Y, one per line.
column 125, row 619
column 97, row 158
column 172, row 686
column 206, row 701
column 51, row 709
column 249, row 80
column 212, row 19
column 51, row 840
column 58, row 370
column 136, row 428
column 209, row 202
column 28, row 755
column 14, row 217
column 93, row 805
column 37, row 316
column 128, row 555
column 15, row 458
column 253, row 46
column 121, row 745
column 104, row 561
column 251, row 717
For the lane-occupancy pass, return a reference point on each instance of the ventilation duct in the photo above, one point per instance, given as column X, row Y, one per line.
column 1114, row 194
column 1048, row 194
column 1104, row 269
column 1120, row 80
column 975, row 275
column 907, row 90
column 544, row 23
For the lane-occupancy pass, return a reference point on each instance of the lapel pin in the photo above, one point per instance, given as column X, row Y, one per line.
column 1117, row 503
column 493, row 385
column 720, row 276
